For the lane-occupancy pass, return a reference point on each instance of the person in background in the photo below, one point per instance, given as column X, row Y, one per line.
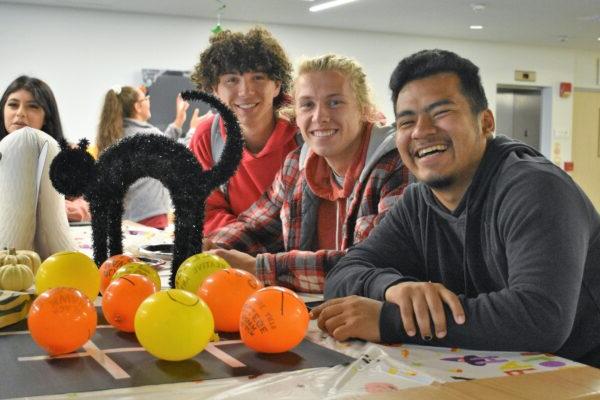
column 495, row 248
column 32, row 213
column 125, row 112
column 250, row 73
column 30, row 102
column 329, row 193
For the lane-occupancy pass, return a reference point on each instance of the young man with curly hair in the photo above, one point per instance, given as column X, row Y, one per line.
column 251, row 74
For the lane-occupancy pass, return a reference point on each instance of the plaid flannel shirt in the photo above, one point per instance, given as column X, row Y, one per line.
column 280, row 227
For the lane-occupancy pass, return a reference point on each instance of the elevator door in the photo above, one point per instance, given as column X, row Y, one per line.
column 518, row 114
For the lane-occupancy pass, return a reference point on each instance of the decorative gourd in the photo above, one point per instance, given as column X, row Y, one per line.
column 15, row 277
column 25, row 257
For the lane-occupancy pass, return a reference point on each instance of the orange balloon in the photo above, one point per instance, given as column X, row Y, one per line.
column 225, row 292
column 273, row 320
column 123, row 297
column 108, row 268
column 61, row 320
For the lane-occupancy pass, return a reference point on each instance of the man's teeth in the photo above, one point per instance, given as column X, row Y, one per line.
column 323, row 133
column 432, row 149
column 247, row 106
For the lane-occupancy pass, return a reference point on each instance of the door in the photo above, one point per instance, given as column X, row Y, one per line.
column 585, row 146
column 519, row 114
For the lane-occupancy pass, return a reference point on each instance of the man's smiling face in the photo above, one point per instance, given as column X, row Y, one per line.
column 439, row 138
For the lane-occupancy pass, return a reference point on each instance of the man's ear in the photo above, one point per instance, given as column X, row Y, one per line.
column 488, row 124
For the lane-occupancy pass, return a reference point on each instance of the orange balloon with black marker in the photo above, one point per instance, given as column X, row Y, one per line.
column 225, row 292
column 61, row 320
column 123, row 297
column 110, row 266
column 273, row 320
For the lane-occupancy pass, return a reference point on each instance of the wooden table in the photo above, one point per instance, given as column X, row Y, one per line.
column 581, row 383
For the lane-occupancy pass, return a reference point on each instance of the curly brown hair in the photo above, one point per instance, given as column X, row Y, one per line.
column 236, row 52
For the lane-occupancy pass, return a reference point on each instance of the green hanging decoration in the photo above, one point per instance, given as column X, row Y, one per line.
column 217, row 28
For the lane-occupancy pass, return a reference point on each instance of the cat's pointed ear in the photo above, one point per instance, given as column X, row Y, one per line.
column 64, row 145
column 83, row 144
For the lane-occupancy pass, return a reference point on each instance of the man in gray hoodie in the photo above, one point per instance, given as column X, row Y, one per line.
column 495, row 248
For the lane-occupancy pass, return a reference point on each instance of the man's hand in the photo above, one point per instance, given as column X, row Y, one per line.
column 208, row 244
column 424, row 301
column 236, row 259
column 349, row 317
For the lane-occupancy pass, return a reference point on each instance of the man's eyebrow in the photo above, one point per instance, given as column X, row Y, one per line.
column 405, row 113
column 329, row 96
column 442, row 102
column 430, row 107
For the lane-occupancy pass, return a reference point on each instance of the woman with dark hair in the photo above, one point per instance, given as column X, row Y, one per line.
column 29, row 102
column 32, row 213
column 125, row 112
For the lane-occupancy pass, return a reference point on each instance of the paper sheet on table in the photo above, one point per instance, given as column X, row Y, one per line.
column 373, row 372
column 134, row 236
column 453, row 364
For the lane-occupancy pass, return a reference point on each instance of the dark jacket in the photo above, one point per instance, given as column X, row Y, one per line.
column 522, row 251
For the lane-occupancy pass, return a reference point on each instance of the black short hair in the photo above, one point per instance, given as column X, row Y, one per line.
column 236, row 52
column 43, row 96
column 426, row 63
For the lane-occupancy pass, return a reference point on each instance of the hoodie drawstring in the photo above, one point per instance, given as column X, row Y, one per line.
column 337, row 225
column 426, row 247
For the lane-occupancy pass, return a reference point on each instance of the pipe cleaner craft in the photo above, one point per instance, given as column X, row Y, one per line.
column 103, row 183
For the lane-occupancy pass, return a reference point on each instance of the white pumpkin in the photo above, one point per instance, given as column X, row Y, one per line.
column 15, row 277
column 26, row 257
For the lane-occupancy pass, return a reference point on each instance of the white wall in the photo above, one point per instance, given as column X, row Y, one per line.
column 81, row 54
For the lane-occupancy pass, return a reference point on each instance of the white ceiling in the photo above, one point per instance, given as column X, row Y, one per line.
column 571, row 24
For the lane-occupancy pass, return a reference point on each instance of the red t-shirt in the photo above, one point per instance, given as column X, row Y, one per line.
column 253, row 177
column 332, row 207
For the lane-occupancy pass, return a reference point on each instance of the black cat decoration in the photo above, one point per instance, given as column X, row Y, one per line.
column 104, row 182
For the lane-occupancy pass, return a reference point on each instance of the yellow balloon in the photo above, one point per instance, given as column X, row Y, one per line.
column 139, row 268
column 69, row 269
column 195, row 269
column 173, row 325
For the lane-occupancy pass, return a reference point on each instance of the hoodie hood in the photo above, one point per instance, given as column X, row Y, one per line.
column 134, row 123
column 496, row 151
column 381, row 142
column 376, row 142
column 133, row 126
column 471, row 206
